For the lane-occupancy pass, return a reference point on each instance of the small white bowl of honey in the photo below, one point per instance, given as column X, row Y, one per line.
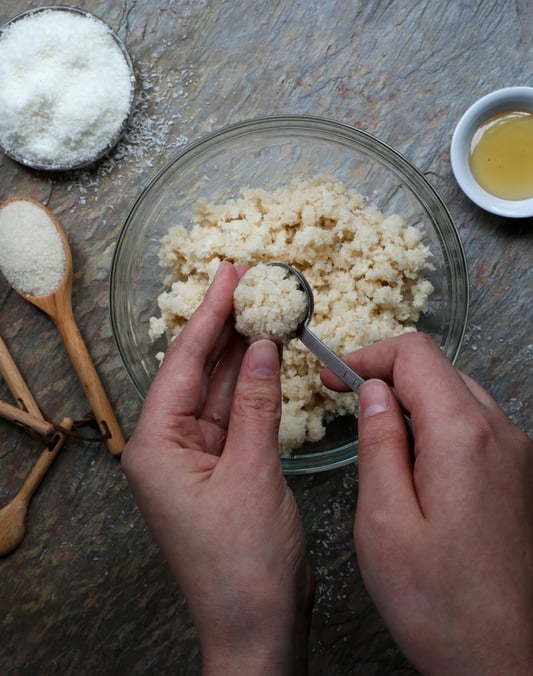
column 492, row 152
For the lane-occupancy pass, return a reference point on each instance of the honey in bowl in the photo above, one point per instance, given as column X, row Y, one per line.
column 501, row 155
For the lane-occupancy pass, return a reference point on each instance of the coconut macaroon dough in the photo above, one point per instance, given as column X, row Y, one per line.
column 269, row 304
column 366, row 270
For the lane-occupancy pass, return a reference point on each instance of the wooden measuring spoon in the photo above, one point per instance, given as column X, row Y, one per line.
column 28, row 413
column 21, row 417
column 58, row 306
column 16, row 383
column 13, row 515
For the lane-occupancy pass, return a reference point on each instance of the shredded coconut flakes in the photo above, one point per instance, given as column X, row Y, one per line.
column 65, row 87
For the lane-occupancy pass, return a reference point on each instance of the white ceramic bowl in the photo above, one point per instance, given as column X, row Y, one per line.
column 517, row 98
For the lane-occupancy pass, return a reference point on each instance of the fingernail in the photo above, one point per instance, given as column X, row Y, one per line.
column 263, row 359
column 374, row 398
column 219, row 269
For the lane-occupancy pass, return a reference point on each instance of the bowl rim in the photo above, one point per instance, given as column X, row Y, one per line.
column 491, row 104
column 101, row 152
column 344, row 454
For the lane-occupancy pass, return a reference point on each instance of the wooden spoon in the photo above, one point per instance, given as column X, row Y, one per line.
column 58, row 306
column 16, row 383
column 21, row 417
column 28, row 413
column 13, row 515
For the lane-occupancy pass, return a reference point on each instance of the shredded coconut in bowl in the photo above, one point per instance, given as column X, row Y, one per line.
column 366, row 271
column 66, row 87
column 269, row 304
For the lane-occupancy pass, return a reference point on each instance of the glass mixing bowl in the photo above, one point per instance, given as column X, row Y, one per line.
column 271, row 152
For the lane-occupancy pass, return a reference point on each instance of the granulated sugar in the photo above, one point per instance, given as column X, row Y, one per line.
column 32, row 257
column 65, row 87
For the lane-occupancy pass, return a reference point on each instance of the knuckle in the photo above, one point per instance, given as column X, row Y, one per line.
column 382, row 432
column 420, row 341
column 475, row 428
column 261, row 404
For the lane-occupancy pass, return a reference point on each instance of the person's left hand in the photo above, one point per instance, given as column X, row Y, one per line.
column 203, row 465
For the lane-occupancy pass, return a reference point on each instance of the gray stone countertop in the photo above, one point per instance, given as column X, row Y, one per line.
column 87, row 591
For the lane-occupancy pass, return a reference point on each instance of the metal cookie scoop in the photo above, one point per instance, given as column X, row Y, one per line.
column 348, row 376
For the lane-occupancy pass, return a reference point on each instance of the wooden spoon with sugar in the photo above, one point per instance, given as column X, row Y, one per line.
column 36, row 260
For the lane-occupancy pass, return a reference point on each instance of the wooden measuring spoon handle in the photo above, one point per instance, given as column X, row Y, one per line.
column 41, row 467
column 91, row 383
column 16, row 383
column 17, row 415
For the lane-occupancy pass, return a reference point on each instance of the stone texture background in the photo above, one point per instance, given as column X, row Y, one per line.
column 87, row 591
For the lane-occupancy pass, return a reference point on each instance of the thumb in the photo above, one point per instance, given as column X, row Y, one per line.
column 256, row 410
column 385, row 465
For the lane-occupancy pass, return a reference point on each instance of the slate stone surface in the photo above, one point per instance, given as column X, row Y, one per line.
column 87, row 591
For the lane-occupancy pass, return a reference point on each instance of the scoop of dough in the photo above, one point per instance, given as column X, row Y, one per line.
column 269, row 304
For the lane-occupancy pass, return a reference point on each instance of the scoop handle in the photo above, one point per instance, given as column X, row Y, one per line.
column 341, row 369
column 90, row 381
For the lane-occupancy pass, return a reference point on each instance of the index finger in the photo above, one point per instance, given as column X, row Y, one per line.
column 419, row 372
column 193, row 354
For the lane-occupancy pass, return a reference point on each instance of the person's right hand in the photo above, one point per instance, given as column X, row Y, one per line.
column 444, row 542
